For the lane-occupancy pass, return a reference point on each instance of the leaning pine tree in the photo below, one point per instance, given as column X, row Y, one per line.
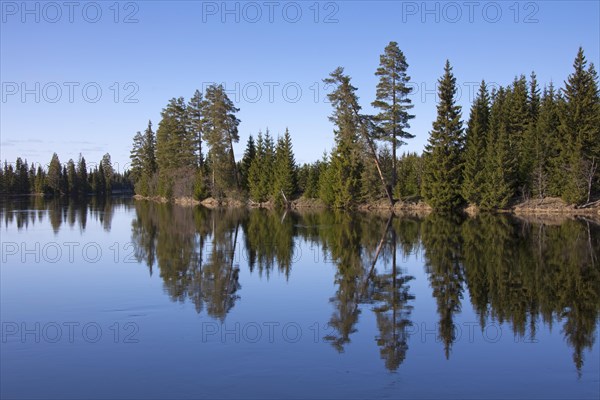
column 442, row 178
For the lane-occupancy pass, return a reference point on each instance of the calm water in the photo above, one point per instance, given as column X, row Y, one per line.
column 134, row 299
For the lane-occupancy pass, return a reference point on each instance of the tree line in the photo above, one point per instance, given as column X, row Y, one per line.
column 519, row 142
column 58, row 179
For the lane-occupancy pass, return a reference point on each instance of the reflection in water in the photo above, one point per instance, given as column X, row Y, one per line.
column 195, row 251
column 522, row 273
column 29, row 210
column 517, row 272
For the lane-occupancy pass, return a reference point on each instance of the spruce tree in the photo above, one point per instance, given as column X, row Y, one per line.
column 135, row 155
column 346, row 165
column 72, row 178
column 249, row 155
column 476, row 144
column 393, row 101
column 580, row 129
column 518, row 121
column 285, row 170
column 546, row 147
column 442, row 180
column 82, row 176
column 54, row 176
column 258, row 192
column 499, row 167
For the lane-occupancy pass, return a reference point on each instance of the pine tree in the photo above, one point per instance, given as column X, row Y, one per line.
column 195, row 110
column 82, row 176
column 346, row 165
column 174, row 143
column 475, row 149
column 260, row 173
column 22, row 177
column 580, row 129
column 54, row 177
column 249, row 155
column 72, row 178
column 393, row 101
column 499, row 166
column 517, row 113
column 220, row 131
column 531, row 143
column 285, row 170
column 108, row 173
column 546, row 147
column 442, row 178
column 135, row 155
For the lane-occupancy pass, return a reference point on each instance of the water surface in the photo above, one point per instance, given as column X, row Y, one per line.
column 129, row 299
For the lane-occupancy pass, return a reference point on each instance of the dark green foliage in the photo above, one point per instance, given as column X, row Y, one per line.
column 393, row 101
column 246, row 163
column 580, row 131
column 260, row 176
column 443, row 159
column 54, row 176
column 475, row 148
column 410, row 175
column 345, row 167
column 499, row 168
column 220, row 131
column 285, row 170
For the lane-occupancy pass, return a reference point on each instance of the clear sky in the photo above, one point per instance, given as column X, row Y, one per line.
column 85, row 76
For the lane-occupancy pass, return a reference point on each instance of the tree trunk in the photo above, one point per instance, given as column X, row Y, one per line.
column 365, row 132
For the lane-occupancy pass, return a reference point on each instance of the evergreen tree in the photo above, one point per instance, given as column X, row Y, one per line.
column 393, row 101
column 257, row 192
column 346, row 165
column 82, row 176
column 499, row 167
column 475, row 149
column 174, row 143
column 72, row 178
column 249, row 155
column 108, row 173
column 442, row 178
column 54, row 177
column 580, row 130
column 135, row 155
column 195, row 123
column 285, row 169
column 220, row 131
column 518, row 122
column 545, row 170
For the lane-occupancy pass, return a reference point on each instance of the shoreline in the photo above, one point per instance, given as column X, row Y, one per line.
column 543, row 207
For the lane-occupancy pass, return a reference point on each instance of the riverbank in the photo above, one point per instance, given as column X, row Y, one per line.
column 537, row 207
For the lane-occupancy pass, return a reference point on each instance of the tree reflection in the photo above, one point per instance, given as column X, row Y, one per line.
column 521, row 273
column 443, row 262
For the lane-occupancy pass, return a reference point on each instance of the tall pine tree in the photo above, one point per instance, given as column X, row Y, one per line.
column 393, row 101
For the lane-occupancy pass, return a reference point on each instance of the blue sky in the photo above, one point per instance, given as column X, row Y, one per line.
column 271, row 57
